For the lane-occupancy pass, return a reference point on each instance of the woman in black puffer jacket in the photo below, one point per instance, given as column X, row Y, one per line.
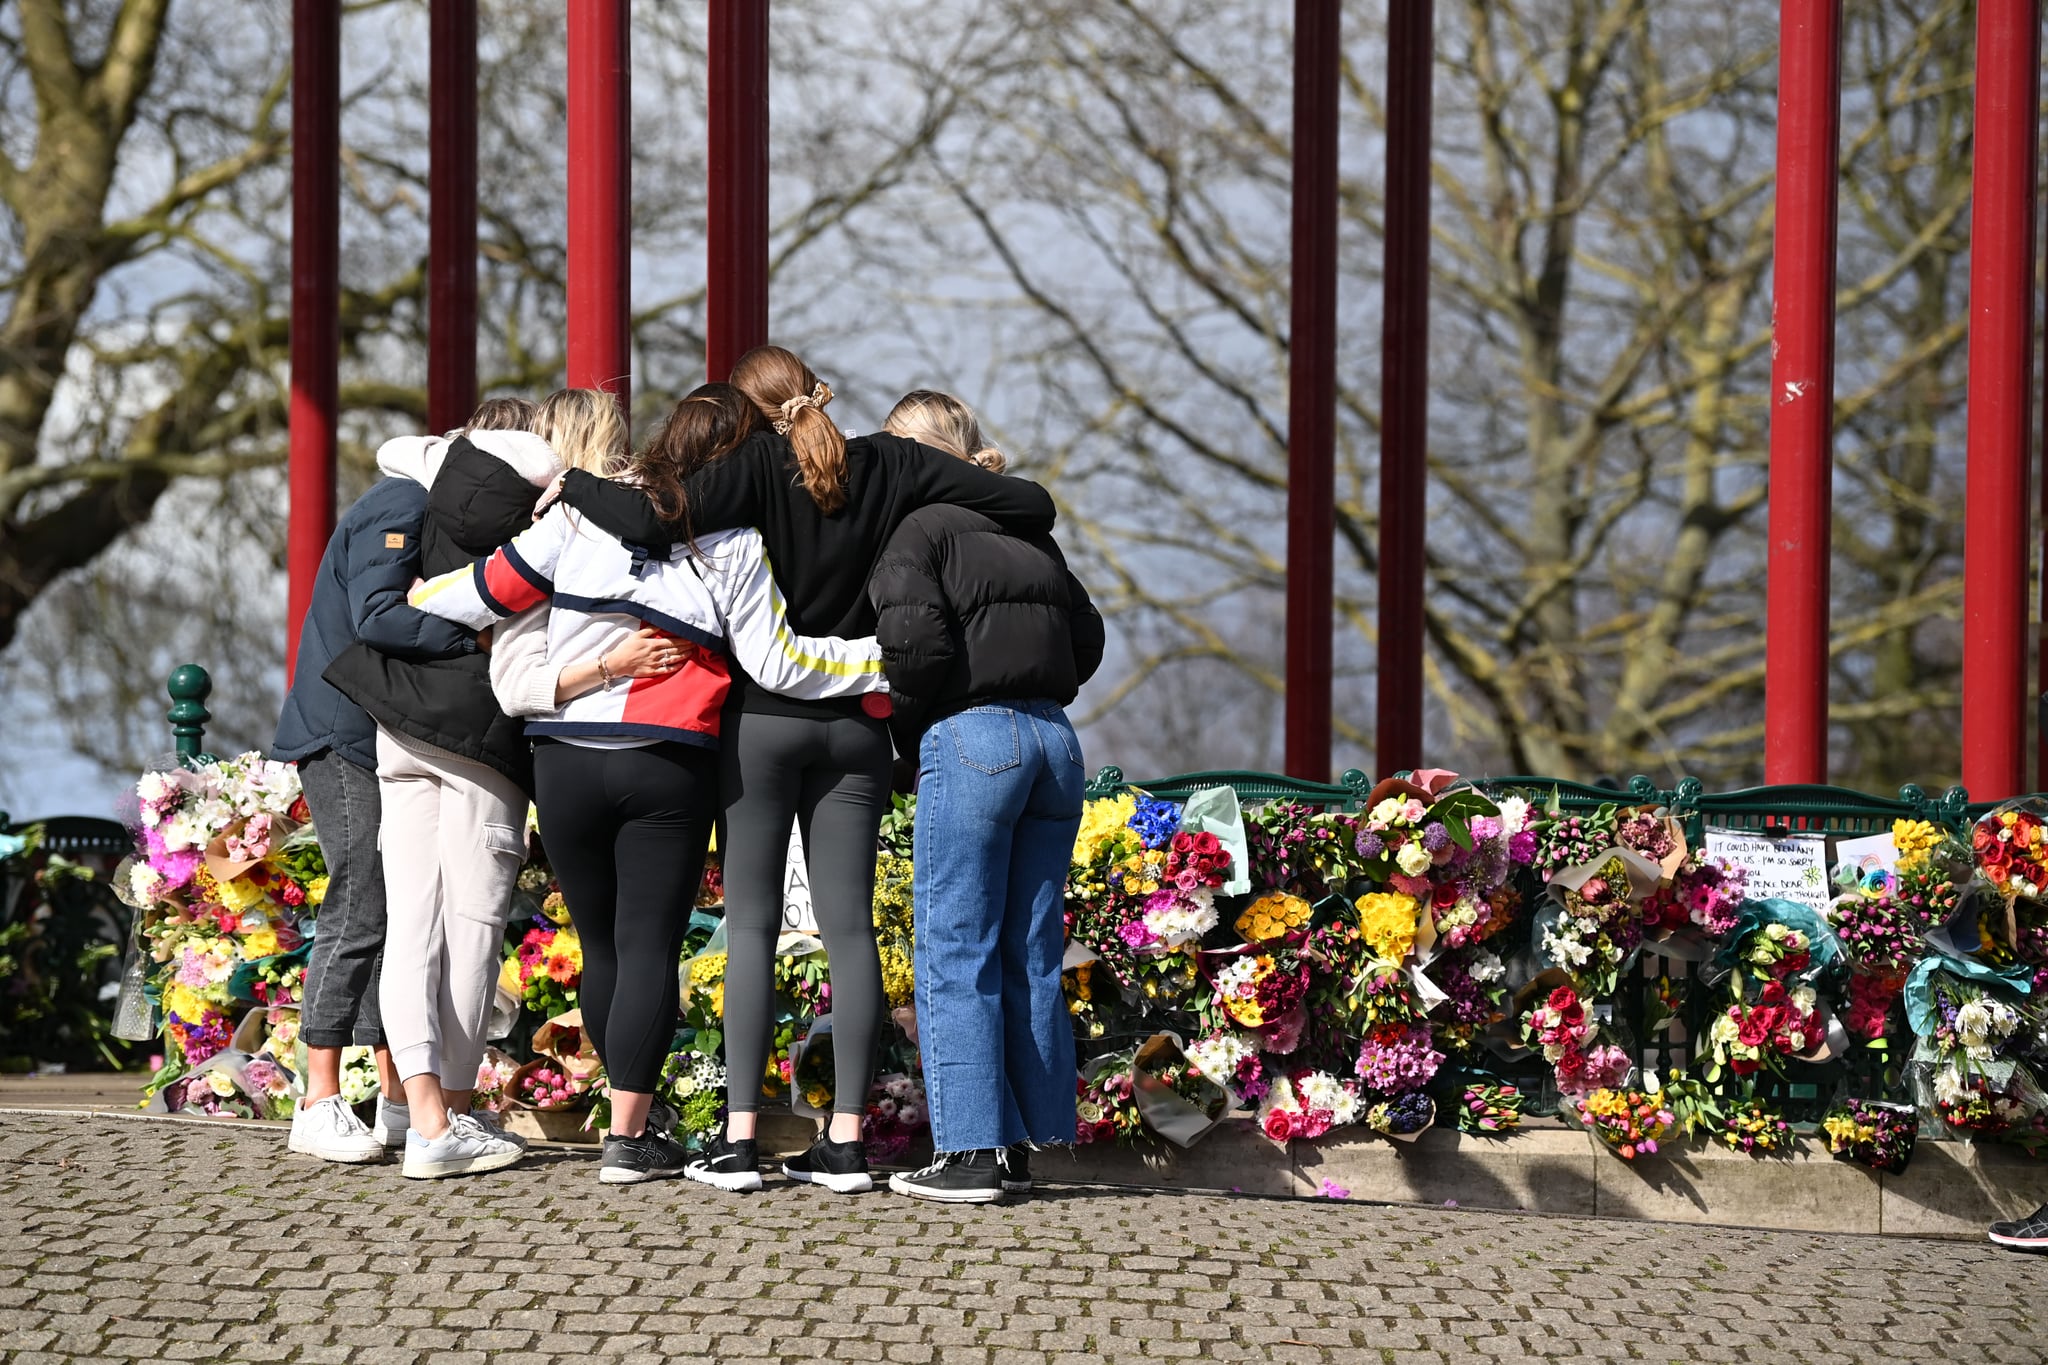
column 985, row 638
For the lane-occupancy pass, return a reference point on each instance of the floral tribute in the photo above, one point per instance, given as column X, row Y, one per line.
column 1434, row 954
column 226, row 878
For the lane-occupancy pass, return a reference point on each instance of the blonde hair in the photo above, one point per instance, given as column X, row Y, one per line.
column 585, row 428
column 793, row 400
column 944, row 422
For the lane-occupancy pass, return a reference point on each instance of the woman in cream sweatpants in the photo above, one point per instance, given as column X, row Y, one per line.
column 454, row 838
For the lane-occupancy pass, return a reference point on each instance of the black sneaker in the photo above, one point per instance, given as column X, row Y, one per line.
column 630, row 1160
column 727, row 1165
column 2024, row 1234
column 1013, row 1163
column 838, row 1166
column 955, row 1178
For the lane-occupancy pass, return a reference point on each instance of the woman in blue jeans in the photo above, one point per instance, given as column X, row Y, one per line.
column 985, row 637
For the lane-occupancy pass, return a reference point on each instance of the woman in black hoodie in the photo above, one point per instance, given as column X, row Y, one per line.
column 454, row 773
column 825, row 506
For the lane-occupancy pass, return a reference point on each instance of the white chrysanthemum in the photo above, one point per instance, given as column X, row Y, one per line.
column 1514, row 815
column 1220, row 1054
column 1949, row 1087
column 144, row 884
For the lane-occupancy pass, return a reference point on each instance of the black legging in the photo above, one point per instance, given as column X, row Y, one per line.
column 831, row 775
column 626, row 831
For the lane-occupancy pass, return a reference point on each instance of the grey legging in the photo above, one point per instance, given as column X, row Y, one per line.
column 831, row 774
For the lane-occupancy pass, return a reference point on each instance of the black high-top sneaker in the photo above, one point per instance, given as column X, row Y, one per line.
column 954, row 1178
column 1013, row 1163
column 2024, row 1234
column 727, row 1165
column 839, row 1166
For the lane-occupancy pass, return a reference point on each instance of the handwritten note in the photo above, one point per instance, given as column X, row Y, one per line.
column 1864, row 856
column 1794, row 868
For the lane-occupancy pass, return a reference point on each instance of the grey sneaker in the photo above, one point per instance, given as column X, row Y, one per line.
column 467, row 1148
column 394, row 1121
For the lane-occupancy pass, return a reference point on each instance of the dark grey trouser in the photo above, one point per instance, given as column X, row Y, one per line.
column 340, row 1007
column 831, row 775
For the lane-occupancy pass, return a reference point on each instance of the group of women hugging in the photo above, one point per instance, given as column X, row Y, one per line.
column 738, row 626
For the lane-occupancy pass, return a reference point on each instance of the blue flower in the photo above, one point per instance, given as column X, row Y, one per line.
column 1155, row 822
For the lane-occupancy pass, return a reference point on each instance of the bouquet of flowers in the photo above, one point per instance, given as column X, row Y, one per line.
column 1403, row 1116
column 896, row 1114
column 1565, row 841
column 212, row 1093
column 1106, row 1109
column 1971, row 1025
column 1870, row 1133
column 1972, row 1104
column 1756, row 1126
column 1276, row 914
column 1394, row 1059
column 1232, row 1058
column 1628, row 1122
column 1880, row 925
column 2011, row 847
column 1261, row 992
column 1600, row 923
column 544, row 1084
column 1752, row 1034
column 1386, row 920
column 545, row 969
column 1705, row 895
column 1557, row 1025
column 492, row 1092
column 693, row 1083
column 1301, row 850
column 1488, row 1107
column 1307, row 1104
column 1871, row 997
column 358, row 1075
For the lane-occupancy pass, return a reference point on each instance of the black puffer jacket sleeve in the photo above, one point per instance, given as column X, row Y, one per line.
column 915, row 626
column 1084, row 625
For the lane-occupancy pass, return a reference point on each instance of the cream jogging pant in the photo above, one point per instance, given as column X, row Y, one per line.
column 454, row 838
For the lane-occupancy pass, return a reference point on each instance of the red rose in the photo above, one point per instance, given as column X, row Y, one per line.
column 1279, row 1125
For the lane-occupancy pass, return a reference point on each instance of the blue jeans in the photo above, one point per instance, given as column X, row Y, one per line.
column 998, row 804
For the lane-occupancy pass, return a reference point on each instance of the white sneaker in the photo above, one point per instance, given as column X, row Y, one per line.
column 491, row 1124
column 394, row 1121
column 467, row 1148
column 331, row 1131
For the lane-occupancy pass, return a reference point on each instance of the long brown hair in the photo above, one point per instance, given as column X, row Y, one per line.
column 710, row 421
column 793, row 400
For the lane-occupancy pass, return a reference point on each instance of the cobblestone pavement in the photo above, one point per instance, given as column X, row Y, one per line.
column 124, row 1239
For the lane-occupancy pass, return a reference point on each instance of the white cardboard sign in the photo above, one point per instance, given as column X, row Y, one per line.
column 1793, row 868
column 797, row 915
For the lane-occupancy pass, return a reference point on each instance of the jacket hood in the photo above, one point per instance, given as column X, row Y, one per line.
column 413, row 457
column 481, row 500
column 526, row 454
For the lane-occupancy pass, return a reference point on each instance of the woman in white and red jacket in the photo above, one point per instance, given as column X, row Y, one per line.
column 626, row 776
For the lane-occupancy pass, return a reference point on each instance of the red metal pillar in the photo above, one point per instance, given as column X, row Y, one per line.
column 451, row 227
column 316, row 299
column 1312, row 390
column 1404, row 382
column 1999, row 432
column 736, row 245
column 1802, row 391
column 600, row 198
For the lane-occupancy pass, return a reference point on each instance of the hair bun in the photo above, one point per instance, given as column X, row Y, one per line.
column 991, row 459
